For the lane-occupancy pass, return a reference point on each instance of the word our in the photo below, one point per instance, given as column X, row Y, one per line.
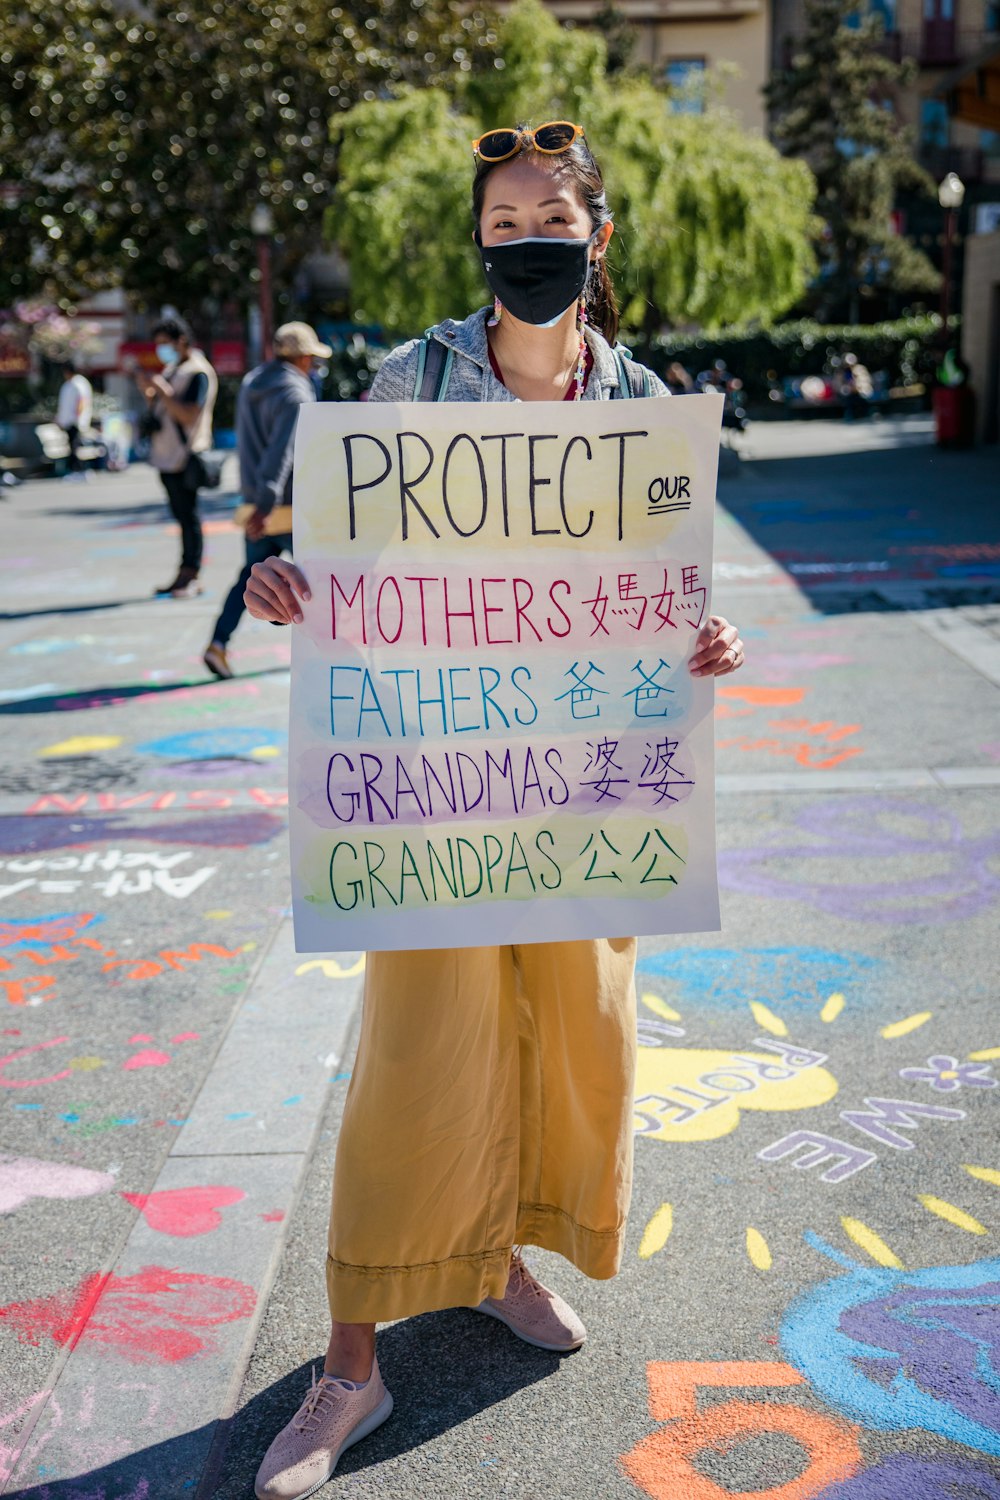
column 458, row 610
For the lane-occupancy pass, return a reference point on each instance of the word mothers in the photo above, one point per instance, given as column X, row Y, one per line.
column 459, row 486
column 460, row 609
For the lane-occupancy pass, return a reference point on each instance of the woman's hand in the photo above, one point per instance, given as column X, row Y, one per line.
column 271, row 591
column 717, row 650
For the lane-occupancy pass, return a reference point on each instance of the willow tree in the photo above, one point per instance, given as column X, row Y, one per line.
column 713, row 224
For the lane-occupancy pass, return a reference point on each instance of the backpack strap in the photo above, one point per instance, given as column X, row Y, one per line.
column 434, row 364
column 633, row 379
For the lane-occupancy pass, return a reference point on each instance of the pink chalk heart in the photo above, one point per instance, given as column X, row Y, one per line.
column 25, row 1177
column 185, row 1211
column 147, row 1059
column 140, row 1037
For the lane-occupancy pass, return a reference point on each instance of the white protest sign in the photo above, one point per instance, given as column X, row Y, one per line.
column 494, row 734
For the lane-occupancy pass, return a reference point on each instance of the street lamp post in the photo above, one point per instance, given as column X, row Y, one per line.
column 262, row 228
column 951, row 191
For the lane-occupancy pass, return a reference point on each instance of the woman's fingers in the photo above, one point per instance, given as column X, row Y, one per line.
column 718, row 649
column 273, row 591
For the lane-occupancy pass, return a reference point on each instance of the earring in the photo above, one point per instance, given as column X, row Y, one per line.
column 581, row 362
column 497, row 313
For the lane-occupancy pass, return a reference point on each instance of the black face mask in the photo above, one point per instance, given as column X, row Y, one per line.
column 537, row 279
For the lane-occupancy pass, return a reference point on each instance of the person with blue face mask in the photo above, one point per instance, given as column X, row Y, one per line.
column 491, row 1100
column 181, row 401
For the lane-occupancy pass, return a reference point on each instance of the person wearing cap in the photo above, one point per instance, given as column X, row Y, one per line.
column 266, row 413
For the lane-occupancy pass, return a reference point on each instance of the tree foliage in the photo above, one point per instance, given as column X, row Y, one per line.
column 833, row 107
column 713, row 224
column 135, row 139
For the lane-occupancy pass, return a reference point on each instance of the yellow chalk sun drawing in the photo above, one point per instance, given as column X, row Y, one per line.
column 698, row 1094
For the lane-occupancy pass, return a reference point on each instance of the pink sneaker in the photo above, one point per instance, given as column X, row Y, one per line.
column 334, row 1416
column 535, row 1314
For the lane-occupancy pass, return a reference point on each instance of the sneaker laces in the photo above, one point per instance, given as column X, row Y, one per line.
column 321, row 1392
column 521, row 1278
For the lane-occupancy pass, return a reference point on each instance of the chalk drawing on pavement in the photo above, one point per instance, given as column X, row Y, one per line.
column 665, row 1465
column 155, row 1316
column 895, row 1349
column 25, row 1178
column 873, row 838
column 185, row 1212
column 210, row 744
column 801, row 980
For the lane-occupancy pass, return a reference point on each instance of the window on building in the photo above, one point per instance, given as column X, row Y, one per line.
column 933, row 125
column 685, row 78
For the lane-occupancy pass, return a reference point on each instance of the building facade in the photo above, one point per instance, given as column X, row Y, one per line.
column 937, row 36
column 680, row 40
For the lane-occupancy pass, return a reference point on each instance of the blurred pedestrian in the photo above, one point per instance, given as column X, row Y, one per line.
column 179, row 422
column 73, row 415
column 267, row 411
column 678, row 380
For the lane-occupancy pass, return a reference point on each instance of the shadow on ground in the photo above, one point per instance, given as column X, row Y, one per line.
column 901, row 524
column 449, row 1365
column 103, row 697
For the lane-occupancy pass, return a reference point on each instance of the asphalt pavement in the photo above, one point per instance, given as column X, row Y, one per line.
column 809, row 1304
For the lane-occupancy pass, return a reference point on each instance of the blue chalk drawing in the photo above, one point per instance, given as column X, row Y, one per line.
column 727, row 978
column 209, row 744
column 41, row 934
column 905, row 1349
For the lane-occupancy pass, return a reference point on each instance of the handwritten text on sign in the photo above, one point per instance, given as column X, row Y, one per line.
column 495, row 737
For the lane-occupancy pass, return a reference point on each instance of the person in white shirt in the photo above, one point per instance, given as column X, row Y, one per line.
column 76, row 404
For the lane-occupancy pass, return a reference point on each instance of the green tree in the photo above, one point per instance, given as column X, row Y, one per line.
column 135, row 140
column 713, row 224
column 833, row 108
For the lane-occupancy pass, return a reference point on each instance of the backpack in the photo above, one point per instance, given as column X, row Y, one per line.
column 435, row 361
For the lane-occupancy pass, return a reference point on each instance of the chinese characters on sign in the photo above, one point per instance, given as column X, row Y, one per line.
column 495, row 737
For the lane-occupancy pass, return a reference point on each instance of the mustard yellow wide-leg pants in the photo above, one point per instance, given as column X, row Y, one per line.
column 490, row 1106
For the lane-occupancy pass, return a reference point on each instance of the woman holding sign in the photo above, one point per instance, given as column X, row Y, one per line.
column 491, row 1100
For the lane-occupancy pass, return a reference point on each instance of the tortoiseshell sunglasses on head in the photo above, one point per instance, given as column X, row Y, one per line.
column 551, row 138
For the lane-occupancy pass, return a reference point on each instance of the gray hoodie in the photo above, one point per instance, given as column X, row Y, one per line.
column 472, row 378
column 266, row 414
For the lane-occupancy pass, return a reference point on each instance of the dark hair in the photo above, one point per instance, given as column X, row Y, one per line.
column 581, row 168
column 174, row 328
column 68, row 367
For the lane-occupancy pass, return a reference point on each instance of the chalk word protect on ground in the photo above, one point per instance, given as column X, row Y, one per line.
column 692, row 1094
column 663, row 1464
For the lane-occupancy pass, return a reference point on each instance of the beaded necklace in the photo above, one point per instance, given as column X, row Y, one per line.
column 580, row 374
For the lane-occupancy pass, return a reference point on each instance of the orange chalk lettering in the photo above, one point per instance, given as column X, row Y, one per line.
column 662, row 1464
